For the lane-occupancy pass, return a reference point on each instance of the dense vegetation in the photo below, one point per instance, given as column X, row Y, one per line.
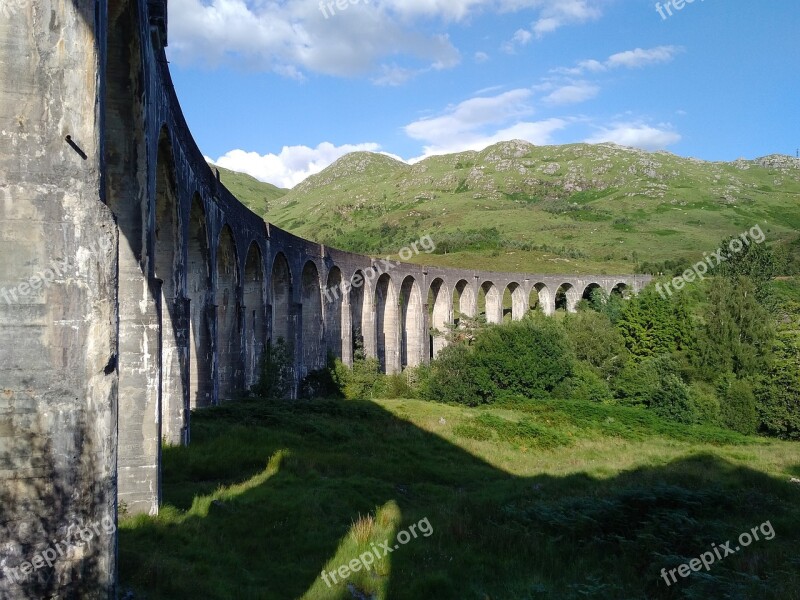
column 721, row 352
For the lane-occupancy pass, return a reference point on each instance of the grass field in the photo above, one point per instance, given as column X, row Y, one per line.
column 544, row 501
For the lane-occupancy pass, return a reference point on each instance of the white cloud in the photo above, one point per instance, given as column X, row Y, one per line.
column 637, row 135
column 291, row 38
column 297, row 37
column 481, row 57
column 292, row 165
column 572, row 93
column 471, row 115
column 558, row 13
column 479, row 122
column 631, row 59
column 637, row 58
column 553, row 14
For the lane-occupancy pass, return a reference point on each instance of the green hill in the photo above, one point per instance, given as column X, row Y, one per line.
column 256, row 195
column 519, row 207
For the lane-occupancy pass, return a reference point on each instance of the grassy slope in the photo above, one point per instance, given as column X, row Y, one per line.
column 256, row 195
column 557, row 501
column 586, row 208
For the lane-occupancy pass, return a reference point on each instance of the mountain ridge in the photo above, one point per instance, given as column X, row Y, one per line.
column 515, row 206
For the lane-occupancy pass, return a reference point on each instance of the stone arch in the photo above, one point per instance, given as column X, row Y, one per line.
column 253, row 300
column 541, row 298
column 492, row 302
column 464, row 301
column 514, row 303
column 198, row 284
column 567, row 298
column 413, row 324
column 334, row 314
column 166, row 269
column 281, row 294
column 357, row 329
column 311, row 322
column 440, row 307
column 589, row 290
column 226, row 300
column 387, row 324
column 621, row 289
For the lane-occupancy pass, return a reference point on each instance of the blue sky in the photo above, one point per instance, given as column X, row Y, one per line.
column 279, row 89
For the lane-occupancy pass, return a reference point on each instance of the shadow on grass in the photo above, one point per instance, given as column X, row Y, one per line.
column 268, row 494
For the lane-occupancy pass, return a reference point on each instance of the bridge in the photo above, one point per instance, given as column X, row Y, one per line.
column 134, row 287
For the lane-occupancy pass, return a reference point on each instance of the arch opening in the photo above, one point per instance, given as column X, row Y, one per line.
column 226, row 300
column 357, row 329
column 541, row 299
column 174, row 399
column 312, row 321
column 567, row 298
column 465, row 303
column 440, row 305
column 334, row 314
column 198, row 284
column 254, row 321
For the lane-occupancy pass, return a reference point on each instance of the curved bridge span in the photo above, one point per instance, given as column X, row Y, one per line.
column 136, row 287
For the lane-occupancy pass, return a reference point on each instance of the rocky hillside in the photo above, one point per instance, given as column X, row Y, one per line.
column 574, row 208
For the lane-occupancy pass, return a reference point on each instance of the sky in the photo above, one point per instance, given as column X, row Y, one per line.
column 281, row 89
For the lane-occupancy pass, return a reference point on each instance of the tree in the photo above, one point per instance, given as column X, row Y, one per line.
column 652, row 325
column 737, row 333
column 596, row 341
column 755, row 261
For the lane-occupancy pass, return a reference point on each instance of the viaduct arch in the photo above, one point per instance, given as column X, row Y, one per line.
column 135, row 287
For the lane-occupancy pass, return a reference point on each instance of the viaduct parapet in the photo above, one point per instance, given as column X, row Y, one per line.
column 134, row 287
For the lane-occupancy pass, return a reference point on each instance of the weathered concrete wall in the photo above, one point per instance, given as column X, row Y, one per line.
column 58, row 325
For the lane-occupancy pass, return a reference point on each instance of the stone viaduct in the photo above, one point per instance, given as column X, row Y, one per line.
column 134, row 287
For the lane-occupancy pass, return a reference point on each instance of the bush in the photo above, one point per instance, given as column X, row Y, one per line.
column 359, row 381
column 451, row 378
column 706, row 403
column 524, row 358
column 393, row 386
column 595, row 340
column 529, row 358
column 671, row 401
column 641, row 379
column 583, row 384
column 738, row 410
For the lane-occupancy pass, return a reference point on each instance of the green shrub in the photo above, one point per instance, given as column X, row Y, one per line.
column 672, row 401
column 595, row 340
column 529, row 357
column 706, row 403
column 359, row 381
column 451, row 379
column 738, row 410
column 640, row 379
column 584, row 384
column 393, row 386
